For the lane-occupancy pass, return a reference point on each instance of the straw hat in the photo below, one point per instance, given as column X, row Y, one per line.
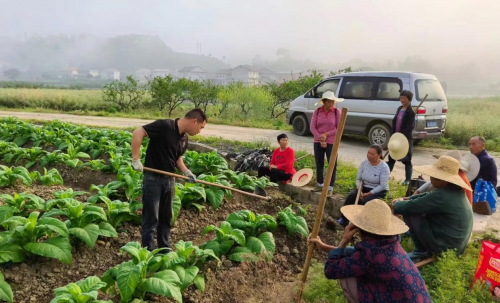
column 329, row 95
column 398, row 146
column 302, row 177
column 374, row 217
column 446, row 169
column 455, row 154
column 471, row 163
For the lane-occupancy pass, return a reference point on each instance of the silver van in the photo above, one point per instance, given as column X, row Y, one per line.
column 372, row 99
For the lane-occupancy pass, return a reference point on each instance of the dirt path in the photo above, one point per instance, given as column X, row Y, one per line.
column 350, row 149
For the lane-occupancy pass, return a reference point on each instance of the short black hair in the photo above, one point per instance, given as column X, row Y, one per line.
column 366, row 234
column 407, row 93
column 378, row 148
column 281, row 136
column 480, row 138
column 197, row 114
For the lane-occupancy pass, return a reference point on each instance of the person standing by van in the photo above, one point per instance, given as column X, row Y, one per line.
column 404, row 122
column 324, row 124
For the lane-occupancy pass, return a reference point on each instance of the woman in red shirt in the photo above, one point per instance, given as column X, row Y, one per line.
column 281, row 165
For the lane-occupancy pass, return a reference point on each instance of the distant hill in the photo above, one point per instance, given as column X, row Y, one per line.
column 128, row 53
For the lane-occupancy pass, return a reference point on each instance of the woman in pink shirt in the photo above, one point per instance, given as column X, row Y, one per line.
column 324, row 124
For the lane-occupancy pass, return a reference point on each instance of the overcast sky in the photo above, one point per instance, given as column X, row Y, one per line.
column 452, row 31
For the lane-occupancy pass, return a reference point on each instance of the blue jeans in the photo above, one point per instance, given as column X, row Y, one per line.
column 319, row 157
column 157, row 197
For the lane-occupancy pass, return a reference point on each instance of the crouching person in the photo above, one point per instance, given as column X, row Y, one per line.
column 441, row 219
column 281, row 166
column 377, row 269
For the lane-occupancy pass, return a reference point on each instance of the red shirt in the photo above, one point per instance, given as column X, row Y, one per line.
column 325, row 122
column 284, row 160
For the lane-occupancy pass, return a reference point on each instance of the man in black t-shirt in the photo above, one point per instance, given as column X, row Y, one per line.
column 167, row 143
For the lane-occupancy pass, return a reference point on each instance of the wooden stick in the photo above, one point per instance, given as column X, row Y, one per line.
column 302, row 157
column 207, row 183
column 359, row 192
column 324, row 192
column 425, row 262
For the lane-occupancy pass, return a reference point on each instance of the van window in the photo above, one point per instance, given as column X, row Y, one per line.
column 357, row 89
column 330, row 85
column 432, row 88
column 388, row 90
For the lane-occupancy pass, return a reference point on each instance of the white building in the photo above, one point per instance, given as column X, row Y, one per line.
column 267, row 76
column 223, row 77
column 94, row 73
column 192, row 72
column 246, row 74
column 111, row 74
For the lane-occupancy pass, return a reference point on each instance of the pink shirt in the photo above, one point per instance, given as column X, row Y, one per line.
column 325, row 122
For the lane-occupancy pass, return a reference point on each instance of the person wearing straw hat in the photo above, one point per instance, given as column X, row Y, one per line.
column 281, row 165
column 404, row 122
column 441, row 219
column 324, row 124
column 377, row 269
column 469, row 168
column 374, row 173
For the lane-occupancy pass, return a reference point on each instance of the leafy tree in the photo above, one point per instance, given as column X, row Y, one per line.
column 12, row 73
column 341, row 71
column 203, row 93
column 168, row 93
column 127, row 95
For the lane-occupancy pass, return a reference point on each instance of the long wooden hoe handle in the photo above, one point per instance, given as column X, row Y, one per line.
column 359, row 192
column 324, row 192
column 206, row 183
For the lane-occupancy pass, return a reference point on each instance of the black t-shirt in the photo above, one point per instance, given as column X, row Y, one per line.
column 166, row 145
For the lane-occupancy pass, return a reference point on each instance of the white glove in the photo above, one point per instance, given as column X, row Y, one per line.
column 137, row 165
column 190, row 175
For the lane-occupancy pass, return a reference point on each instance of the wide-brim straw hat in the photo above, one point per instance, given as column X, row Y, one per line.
column 375, row 217
column 302, row 177
column 329, row 95
column 446, row 169
column 455, row 154
column 471, row 163
column 398, row 146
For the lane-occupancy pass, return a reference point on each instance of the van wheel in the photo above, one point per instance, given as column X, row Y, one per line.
column 379, row 134
column 300, row 125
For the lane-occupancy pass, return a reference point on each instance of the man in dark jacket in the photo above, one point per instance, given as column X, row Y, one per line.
column 488, row 168
column 404, row 122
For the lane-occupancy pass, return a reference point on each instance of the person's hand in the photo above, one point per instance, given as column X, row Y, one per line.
column 349, row 233
column 323, row 137
column 323, row 144
column 272, row 166
column 190, row 175
column 317, row 241
column 137, row 165
column 365, row 194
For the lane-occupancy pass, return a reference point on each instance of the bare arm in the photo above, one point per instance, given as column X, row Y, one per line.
column 180, row 165
column 137, row 137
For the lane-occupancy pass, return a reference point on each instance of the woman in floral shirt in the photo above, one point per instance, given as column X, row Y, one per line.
column 377, row 269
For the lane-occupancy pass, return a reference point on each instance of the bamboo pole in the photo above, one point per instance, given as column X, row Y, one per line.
column 305, row 156
column 207, row 183
column 324, row 192
column 359, row 192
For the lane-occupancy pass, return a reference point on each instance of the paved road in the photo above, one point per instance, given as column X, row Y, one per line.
column 350, row 149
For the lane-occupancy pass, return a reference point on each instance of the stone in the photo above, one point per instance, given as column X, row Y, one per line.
column 101, row 242
column 295, row 251
column 108, row 244
column 286, row 250
column 227, row 263
column 56, row 269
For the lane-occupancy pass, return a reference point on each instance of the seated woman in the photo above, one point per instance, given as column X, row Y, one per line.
column 441, row 219
column 375, row 176
column 377, row 269
column 281, row 165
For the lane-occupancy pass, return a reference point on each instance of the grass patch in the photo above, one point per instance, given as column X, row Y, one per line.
column 319, row 289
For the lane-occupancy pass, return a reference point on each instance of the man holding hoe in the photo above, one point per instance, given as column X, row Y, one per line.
column 167, row 143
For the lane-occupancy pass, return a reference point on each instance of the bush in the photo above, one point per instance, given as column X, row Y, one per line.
column 126, row 95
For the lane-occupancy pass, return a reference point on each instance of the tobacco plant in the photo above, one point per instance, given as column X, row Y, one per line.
column 241, row 180
column 215, row 195
column 49, row 178
column 19, row 205
column 118, row 212
column 10, row 175
column 225, row 237
column 5, row 290
column 83, row 291
column 295, row 224
column 191, row 195
column 252, row 224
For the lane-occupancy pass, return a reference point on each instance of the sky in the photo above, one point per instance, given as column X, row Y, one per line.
column 451, row 31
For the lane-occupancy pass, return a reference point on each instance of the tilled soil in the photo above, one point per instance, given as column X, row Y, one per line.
column 35, row 279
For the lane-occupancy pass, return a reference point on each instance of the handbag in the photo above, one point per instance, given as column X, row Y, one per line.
column 485, row 191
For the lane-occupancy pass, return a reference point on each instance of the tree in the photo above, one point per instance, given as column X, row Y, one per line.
column 203, row 93
column 341, row 71
column 12, row 73
column 281, row 94
column 127, row 95
column 168, row 93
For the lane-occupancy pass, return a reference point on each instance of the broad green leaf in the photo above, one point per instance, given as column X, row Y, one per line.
column 176, row 209
column 6, row 292
column 88, row 234
column 199, row 282
column 268, row 240
column 164, row 283
column 107, row 230
column 72, row 163
column 54, row 225
column 57, row 247
column 215, row 196
column 243, row 254
column 91, row 283
column 133, row 249
column 186, row 275
column 11, row 252
column 238, row 236
column 5, row 213
column 128, row 279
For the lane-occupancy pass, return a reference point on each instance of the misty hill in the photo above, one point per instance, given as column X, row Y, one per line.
column 127, row 53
